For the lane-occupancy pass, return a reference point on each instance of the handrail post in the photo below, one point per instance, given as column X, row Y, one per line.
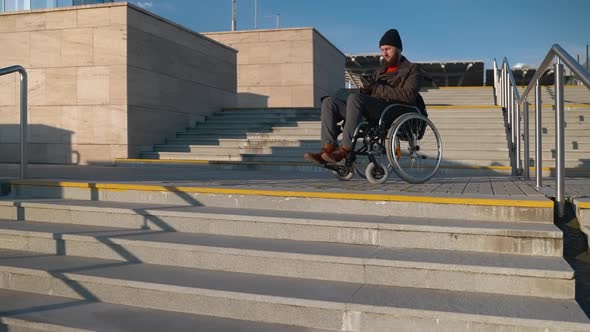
column 559, row 138
column 495, row 83
column 507, row 93
column 511, row 113
column 502, row 89
column 527, row 152
column 517, row 136
column 538, row 136
column 23, row 124
column 23, row 115
column 503, row 74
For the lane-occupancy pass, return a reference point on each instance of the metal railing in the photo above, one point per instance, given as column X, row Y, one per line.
column 506, row 92
column 23, row 115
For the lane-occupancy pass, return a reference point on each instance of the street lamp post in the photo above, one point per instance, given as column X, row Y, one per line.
column 277, row 16
column 255, row 14
column 234, row 16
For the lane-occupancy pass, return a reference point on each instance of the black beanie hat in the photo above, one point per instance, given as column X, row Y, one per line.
column 391, row 37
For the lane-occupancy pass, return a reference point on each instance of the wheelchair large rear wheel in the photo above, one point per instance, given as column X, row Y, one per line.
column 414, row 148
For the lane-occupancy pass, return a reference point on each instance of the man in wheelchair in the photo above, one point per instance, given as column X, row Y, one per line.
column 397, row 82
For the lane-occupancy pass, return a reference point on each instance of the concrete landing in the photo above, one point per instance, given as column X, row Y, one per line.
column 490, row 187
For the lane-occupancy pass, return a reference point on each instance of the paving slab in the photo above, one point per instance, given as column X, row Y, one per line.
column 36, row 311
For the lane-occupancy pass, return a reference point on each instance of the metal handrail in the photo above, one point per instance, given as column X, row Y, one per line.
column 572, row 64
column 508, row 90
column 509, row 100
column 23, row 114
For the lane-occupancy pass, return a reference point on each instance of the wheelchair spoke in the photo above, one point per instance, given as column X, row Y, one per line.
column 415, row 148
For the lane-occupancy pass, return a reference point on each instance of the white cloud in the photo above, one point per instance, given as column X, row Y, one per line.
column 521, row 65
column 145, row 4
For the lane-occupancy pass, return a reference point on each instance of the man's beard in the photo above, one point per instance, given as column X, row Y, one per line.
column 394, row 60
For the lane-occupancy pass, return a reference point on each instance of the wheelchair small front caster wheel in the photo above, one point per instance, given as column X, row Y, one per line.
column 376, row 173
column 344, row 174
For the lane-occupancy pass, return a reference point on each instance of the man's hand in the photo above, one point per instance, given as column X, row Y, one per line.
column 367, row 84
column 367, row 81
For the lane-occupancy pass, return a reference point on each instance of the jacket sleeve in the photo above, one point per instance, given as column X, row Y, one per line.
column 406, row 93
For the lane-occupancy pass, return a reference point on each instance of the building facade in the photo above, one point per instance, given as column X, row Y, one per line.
column 292, row 67
column 17, row 5
column 106, row 80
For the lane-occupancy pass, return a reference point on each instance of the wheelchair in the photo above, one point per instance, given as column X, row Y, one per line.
column 403, row 140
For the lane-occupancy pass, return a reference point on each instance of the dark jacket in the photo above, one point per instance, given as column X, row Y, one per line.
column 402, row 86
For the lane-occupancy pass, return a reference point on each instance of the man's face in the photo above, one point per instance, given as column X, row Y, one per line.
column 389, row 54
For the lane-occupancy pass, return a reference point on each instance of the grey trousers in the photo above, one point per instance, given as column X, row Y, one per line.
column 352, row 111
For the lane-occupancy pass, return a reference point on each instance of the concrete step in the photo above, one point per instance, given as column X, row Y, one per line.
column 445, row 101
column 568, row 126
column 315, row 132
column 268, row 112
column 292, row 301
column 223, row 142
column 288, row 152
column 25, row 311
column 472, row 98
column 549, row 144
column 523, row 238
column 570, row 137
column 450, row 125
column 421, row 268
column 569, row 154
column 236, row 135
column 296, row 153
column 315, row 144
column 281, row 112
column 245, row 126
column 447, row 136
column 261, row 117
column 448, row 170
column 549, row 112
column 401, row 209
column 550, row 154
column 437, row 117
column 467, row 161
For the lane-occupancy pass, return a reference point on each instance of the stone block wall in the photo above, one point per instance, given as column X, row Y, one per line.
column 105, row 80
column 284, row 67
column 175, row 77
column 75, row 61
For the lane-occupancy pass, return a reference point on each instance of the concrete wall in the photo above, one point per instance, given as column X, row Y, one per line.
column 95, row 93
column 175, row 78
column 328, row 68
column 284, row 68
column 76, row 64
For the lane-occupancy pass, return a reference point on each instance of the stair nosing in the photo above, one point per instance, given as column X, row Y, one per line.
column 266, row 296
column 369, row 259
column 398, row 226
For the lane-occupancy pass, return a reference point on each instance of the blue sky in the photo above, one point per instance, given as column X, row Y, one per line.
column 522, row 30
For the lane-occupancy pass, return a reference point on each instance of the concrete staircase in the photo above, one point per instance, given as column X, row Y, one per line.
column 577, row 131
column 473, row 136
column 138, row 256
column 448, row 96
column 577, row 137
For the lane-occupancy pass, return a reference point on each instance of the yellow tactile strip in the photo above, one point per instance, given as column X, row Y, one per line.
column 545, row 203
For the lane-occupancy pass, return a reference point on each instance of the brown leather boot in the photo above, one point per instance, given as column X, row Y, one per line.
column 336, row 156
column 317, row 157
